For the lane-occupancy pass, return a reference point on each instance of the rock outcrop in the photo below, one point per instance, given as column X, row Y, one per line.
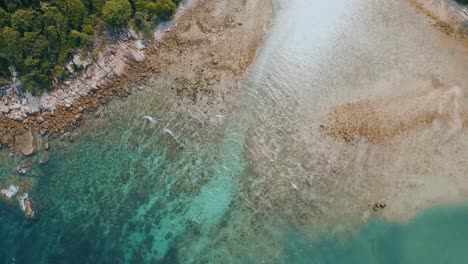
column 26, row 206
column 25, row 143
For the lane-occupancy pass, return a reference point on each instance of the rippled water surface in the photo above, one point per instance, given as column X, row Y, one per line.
column 262, row 184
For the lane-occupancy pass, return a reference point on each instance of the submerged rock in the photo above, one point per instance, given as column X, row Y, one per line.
column 44, row 158
column 153, row 122
column 26, row 206
column 25, row 143
column 168, row 132
column 382, row 119
column 23, row 168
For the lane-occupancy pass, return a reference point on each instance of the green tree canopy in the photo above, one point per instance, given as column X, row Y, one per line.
column 117, row 12
column 4, row 18
column 35, row 45
column 53, row 17
column 11, row 48
column 164, row 9
column 23, row 20
column 76, row 11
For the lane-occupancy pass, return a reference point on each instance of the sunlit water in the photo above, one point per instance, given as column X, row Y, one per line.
column 222, row 191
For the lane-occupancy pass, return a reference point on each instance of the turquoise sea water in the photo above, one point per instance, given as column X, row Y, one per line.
column 220, row 192
column 435, row 236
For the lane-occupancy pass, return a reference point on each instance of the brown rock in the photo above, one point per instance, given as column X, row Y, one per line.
column 22, row 169
column 25, row 143
column 28, row 211
column 40, row 119
column 7, row 140
column 136, row 56
column 46, row 146
column 44, row 158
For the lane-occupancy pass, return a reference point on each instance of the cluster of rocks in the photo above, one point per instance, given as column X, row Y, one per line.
column 25, row 202
column 17, row 105
column 377, row 206
column 22, row 169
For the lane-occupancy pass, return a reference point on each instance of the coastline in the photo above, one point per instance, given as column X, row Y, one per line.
column 202, row 59
column 446, row 16
column 126, row 62
column 294, row 187
column 234, row 32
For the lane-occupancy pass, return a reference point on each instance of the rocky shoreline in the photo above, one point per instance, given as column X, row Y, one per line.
column 94, row 73
column 445, row 10
column 446, row 16
column 60, row 110
column 129, row 63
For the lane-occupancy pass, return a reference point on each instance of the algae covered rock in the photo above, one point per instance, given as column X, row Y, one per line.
column 25, row 143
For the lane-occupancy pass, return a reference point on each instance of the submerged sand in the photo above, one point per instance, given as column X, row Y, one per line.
column 333, row 141
column 382, row 119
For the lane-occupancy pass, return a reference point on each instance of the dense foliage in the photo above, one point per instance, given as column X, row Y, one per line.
column 465, row 2
column 38, row 38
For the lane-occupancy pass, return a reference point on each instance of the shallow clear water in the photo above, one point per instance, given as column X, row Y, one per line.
column 221, row 192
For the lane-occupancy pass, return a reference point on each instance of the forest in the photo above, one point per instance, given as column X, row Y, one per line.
column 38, row 38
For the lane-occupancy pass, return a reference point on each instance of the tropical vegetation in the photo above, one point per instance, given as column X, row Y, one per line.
column 37, row 39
